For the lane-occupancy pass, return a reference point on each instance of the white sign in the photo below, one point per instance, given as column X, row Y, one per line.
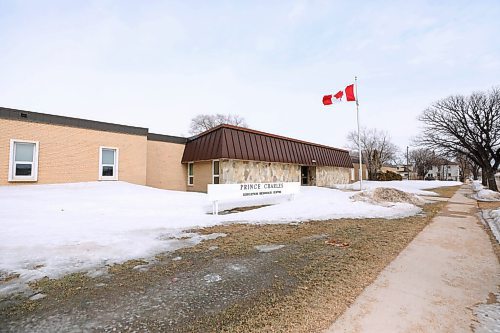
column 218, row 192
column 221, row 192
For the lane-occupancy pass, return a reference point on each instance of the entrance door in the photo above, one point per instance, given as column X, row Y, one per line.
column 308, row 175
column 304, row 173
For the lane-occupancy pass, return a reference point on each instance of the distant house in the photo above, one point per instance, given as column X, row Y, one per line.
column 446, row 170
column 406, row 171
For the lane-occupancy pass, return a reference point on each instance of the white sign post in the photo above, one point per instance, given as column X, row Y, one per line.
column 227, row 192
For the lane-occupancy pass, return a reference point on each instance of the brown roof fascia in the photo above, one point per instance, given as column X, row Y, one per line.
column 244, row 129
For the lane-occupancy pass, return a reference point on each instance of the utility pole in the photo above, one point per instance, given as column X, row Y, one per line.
column 360, row 171
column 407, row 162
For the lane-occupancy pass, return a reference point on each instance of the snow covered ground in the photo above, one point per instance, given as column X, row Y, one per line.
column 492, row 217
column 410, row 186
column 483, row 194
column 52, row 230
column 493, row 221
column 488, row 316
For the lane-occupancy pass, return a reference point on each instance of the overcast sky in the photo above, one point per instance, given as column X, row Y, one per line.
column 157, row 64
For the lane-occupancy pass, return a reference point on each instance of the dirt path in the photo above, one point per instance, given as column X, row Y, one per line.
column 435, row 282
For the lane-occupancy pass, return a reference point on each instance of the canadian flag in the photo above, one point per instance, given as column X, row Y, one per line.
column 349, row 95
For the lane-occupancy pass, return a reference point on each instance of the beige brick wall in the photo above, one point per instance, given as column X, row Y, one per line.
column 164, row 169
column 202, row 176
column 68, row 154
column 356, row 172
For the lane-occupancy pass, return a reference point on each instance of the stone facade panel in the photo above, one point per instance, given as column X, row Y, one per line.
column 234, row 171
column 327, row 176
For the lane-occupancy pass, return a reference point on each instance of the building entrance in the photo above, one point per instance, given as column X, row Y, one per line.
column 308, row 175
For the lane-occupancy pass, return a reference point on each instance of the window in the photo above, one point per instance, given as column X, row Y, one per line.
column 108, row 163
column 190, row 173
column 352, row 174
column 215, row 172
column 23, row 163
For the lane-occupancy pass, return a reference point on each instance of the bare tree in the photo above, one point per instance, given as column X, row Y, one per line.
column 475, row 169
column 467, row 125
column 467, row 167
column 423, row 159
column 376, row 149
column 204, row 122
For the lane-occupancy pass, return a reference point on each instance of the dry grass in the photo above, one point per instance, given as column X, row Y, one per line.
column 328, row 278
column 494, row 243
column 488, row 204
column 446, row 192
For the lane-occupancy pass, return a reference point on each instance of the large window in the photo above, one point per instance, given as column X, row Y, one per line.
column 215, row 172
column 23, row 163
column 190, row 173
column 108, row 163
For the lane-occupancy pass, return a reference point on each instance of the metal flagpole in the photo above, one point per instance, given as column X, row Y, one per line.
column 359, row 135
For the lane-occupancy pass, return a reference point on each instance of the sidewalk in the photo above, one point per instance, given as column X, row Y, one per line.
column 434, row 283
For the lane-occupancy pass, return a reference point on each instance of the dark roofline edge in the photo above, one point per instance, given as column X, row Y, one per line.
column 44, row 118
column 50, row 119
column 167, row 138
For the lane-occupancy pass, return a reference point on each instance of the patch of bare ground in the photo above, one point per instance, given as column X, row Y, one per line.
column 488, row 205
column 446, row 192
column 225, row 284
column 240, row 209
column 328, row 278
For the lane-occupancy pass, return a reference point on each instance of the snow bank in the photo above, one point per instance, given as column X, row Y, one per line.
column 492, row 217
column 484, row 194
column 386, row 196
column 52, row 230
column 488, row 316
column 316, row 203
column 494, row 222
column 487, row 195
column 411, row 186
column 477, row 186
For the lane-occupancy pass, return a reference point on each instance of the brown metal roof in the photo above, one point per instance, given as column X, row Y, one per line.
column 232, row 142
